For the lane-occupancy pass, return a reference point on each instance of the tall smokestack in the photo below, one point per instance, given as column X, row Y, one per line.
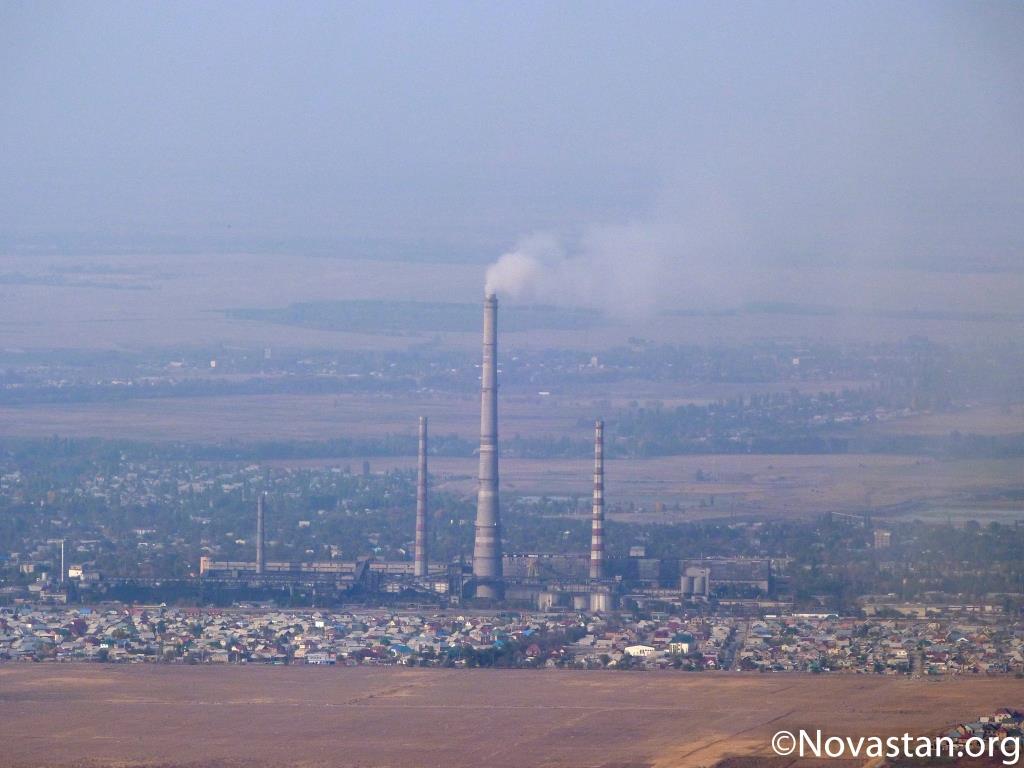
column 487, row 543
column 420, row 567
column 260, row 540
column 597, row 522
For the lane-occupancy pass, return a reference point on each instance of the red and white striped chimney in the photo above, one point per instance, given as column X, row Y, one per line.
column 597, row 523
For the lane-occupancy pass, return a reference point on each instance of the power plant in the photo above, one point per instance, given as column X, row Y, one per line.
column 588, row 581
column 548, row 580
column 487, row 570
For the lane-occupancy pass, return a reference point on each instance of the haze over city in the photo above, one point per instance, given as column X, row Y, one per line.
column 673, row 351
column 847, row 134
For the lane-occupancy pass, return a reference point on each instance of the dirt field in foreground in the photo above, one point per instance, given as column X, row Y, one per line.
column 78, row 715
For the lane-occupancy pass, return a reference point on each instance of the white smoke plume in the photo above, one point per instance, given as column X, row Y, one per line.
column 717, row 241
column 521, row 273
column 664, row 259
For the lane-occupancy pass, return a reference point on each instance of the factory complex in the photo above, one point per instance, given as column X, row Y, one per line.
column 590, row 581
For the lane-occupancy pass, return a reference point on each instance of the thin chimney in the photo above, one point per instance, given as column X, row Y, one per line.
column 260, row 534
column 597, row 522
column 420, row 567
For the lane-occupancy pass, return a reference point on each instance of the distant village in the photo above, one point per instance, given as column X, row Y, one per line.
column 795, row 643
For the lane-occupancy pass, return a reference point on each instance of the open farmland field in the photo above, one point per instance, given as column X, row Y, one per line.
column 295, row 417
column 748, row 485
column 78, row 715
column 986, row 420
column 215, row 419
column 248, row 417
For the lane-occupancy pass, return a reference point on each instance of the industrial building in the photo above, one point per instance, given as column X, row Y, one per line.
column 732, row 577
column 367, row 574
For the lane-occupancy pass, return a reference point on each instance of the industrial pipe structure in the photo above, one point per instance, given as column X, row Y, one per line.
column 260, row 535
column 597, row 518
column 420, row 562
column 487, row 540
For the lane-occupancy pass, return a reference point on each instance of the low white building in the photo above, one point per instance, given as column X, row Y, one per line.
column 639, row 651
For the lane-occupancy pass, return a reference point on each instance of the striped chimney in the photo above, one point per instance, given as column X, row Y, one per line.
column 597, row 523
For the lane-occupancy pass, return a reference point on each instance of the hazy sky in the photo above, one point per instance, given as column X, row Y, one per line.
column 790, row 131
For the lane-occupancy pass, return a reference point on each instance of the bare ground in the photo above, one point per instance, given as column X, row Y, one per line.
column 93, row 715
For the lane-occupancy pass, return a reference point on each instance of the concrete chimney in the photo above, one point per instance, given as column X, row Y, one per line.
column 487, row 541
column 260, row 534
column 420, row 567
column 597, row 518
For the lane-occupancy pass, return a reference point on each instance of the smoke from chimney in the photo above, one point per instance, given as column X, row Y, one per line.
column 607, row 271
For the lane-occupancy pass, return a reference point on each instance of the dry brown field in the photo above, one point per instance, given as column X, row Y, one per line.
column 320, row 417
column 746, row 485
column 738, row 484
column 984, row 420
column 92, row 716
